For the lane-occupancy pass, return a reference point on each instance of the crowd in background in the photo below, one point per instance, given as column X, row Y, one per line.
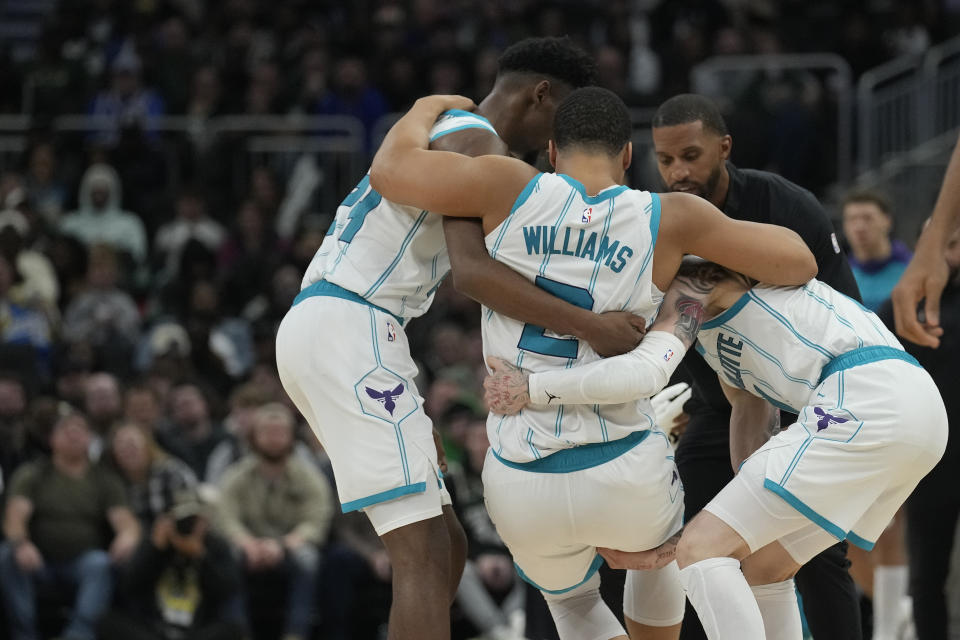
column 140, row 408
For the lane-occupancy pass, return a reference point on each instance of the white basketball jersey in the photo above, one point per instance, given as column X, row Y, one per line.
column 775, row 342
column 392, row 255
column 595, row 252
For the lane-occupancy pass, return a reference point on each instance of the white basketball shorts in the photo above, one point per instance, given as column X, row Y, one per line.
column 347, row 367
column 868, row 436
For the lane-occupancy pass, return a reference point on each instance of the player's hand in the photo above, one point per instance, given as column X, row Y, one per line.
column 506, row 390
column 440, row 103
column 615, row 332
column 668, row 405
column 924, row 279
column 656, row 558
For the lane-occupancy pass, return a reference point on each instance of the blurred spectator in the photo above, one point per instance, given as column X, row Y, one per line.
column 277, row 510
column 249, row 255
column 190, row 222
column 99, row 218
column 142, row 405
column 205, row 98
column 353, row 95
column 153, row 478
column 45, row 193
column 877, row 259
column 181, row 584
column 172, row 62
column 103, row 408
column 192, row 433
column 57, row 82
column 103, row 315
column 38, row 288
column 13, row 425
column 19, row 325
column 244, row 403
column 221, row 345
column 126, row 102
column 55, row 537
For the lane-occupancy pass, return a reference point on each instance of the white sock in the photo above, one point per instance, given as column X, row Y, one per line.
column 779, row 609
column 723, row 600
column 889, row 589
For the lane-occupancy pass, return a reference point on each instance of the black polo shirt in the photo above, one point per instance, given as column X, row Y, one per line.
column 759, row 196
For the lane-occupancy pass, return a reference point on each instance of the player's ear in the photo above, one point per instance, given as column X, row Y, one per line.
column 626, row 156
column 541, row 92
column 726, row 144
column 552, row 153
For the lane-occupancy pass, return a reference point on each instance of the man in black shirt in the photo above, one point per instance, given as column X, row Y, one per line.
column 692, row 146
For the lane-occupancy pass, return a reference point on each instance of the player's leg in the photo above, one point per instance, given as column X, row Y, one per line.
column 653, row 603
column 830, row 599
column 703, row 459
column 420, row 556
column 581, row 614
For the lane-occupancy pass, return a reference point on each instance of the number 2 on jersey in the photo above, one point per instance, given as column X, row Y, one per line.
column 358, row 209
column 533, row 338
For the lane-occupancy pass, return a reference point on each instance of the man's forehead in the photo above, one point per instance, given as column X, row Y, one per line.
column 679, row 136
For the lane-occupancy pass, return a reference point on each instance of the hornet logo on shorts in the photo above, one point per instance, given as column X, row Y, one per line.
column 587, row 215
column 387, row 397
column 391, row 332
column 826, row 419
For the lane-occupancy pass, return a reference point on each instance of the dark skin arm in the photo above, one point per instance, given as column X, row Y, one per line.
column 498, row 287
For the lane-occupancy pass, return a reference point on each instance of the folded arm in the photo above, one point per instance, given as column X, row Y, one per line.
column 640, row 373
column 753, row 421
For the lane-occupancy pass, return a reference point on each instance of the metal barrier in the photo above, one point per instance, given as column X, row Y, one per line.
column 731, row 79
column 906, row 102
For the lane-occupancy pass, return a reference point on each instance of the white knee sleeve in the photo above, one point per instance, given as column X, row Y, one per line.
column 654, row 598
column 581, row 614
column 779, row 609
column 723, row 600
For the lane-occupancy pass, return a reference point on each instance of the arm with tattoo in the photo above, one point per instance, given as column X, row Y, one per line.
column 638, row 374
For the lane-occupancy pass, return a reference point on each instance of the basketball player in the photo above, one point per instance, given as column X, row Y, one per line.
column 871, row 423
column 561, row 480
column 344, row 359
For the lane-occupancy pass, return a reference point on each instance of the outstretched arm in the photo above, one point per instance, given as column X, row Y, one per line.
column 765, row 252
column 406, row 172
column 638, row 374
column 753, row 421
column 927, row 273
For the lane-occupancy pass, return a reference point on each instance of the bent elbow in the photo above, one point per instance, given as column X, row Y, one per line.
column 380, row 177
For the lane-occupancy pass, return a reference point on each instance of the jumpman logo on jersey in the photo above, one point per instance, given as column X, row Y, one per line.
column 826, row 419
column 386, row 398
column 550, row 396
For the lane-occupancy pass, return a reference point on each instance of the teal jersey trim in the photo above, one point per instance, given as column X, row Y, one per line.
column 865, row 355
column 863, row 543
column 579, row 458
column 476, row 125
column 774, row 401
column 782, row 320
column 383, row 496
column 525, row 194
column 466, row 114
column 403, row 248
column 728, row 314
column 606, row 194
column 654, row 219
column 330, row 290
column 806, row 511
column 594, row 567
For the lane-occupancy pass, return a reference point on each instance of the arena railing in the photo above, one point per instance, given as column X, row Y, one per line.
column 906, row 102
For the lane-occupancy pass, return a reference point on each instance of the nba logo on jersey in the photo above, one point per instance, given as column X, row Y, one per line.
column 587, row 215
column 668, row 356
column 391, row 332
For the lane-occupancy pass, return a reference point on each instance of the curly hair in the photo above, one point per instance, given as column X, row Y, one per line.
column 558, row 58
column 593, row 119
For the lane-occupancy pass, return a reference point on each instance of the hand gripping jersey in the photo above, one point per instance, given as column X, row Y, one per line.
column 595, row 252
column 392, row 256
column 780, row 343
